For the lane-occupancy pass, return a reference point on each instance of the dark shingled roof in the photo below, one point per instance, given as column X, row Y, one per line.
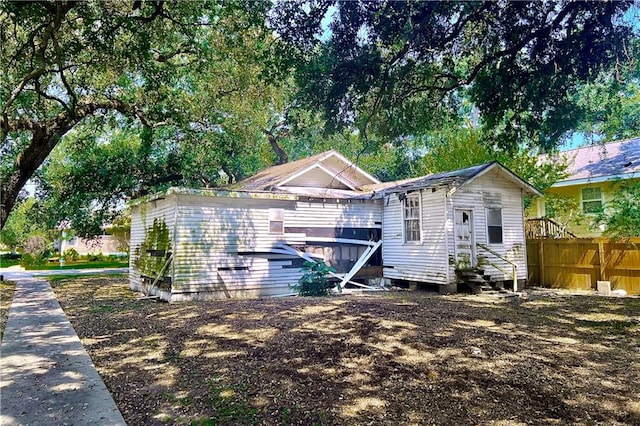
column 455, row 178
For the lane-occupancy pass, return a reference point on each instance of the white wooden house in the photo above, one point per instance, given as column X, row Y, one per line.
column 251, row 239
column 471, row 218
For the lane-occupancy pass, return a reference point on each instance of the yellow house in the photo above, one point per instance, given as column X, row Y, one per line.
column 594, row 174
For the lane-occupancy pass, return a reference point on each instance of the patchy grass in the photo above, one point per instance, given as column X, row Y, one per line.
column 56, row 279
column 7, row 289
column 383, row 359
column 83, row 264
column 8, row 262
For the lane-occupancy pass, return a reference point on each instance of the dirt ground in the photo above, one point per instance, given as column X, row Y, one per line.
column 373, row 359
column 6, row 296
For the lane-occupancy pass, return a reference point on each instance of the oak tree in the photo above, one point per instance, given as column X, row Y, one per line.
column 400, row 68
column 74, row 66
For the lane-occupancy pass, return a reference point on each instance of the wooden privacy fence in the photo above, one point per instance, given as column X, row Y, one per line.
column 577, row 263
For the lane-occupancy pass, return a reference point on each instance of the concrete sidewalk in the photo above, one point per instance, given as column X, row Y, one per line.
column 46, row 376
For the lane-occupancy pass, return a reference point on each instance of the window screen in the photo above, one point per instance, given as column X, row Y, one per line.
column 412, row 217
column 591, row 200
column 494, row 226
column 276, row 221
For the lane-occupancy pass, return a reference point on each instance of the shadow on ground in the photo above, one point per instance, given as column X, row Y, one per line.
column 400, row 358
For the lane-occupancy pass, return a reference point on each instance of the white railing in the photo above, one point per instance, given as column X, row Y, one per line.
column 514, row 267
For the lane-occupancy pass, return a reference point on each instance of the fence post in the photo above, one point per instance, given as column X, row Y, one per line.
column 603, row 272
column 541, row 261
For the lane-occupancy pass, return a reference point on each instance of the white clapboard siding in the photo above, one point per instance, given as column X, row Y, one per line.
column 318, row 177
column 210, row 233
column 425, row 261
column 332, row 214
column 142, row 217
column 221, row 244
column 351, row 174
column 493, row 191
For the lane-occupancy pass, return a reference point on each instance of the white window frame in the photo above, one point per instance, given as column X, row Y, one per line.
column 276, row 221
column 492, row 225
column 414, row 196
column 591, row 200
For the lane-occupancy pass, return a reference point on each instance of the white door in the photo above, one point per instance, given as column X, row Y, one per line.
column 465, row 251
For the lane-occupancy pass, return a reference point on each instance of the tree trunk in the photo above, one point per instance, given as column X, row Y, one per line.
column 273, row 140
column 41, row 145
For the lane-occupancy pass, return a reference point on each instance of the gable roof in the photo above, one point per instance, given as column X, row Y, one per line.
column 453, row 180
column 329, row 168
column 602, row 162
column 283, row 181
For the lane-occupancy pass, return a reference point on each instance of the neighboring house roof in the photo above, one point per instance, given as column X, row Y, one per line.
column 602, row 162
column 453, row 180
column 329, row 169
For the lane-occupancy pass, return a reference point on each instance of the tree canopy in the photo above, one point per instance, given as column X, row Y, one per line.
column 175, row 73
column 398, row 68
column 101, row 102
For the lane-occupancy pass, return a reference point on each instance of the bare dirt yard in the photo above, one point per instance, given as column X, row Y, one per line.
column 373, row 359
column 6, row 296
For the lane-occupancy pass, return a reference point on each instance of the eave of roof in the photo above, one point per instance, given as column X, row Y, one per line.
column 451, row 180
column 597, row 179
column 267, row 195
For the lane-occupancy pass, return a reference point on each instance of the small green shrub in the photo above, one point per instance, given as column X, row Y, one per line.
column 314, row 281
column 95, row 257
column 37, row 250
column 71, row 255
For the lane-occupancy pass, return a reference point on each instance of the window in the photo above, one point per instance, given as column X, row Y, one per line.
column 276, row 221
column 591, row 200
column 494, row 226
column 412, row 217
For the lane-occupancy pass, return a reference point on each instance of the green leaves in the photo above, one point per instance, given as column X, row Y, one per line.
column 314, row 281
column 141, row 95
column 621, row 215
column 396, row 67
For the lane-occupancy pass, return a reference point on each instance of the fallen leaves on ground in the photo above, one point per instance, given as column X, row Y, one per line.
column 6, row 297
column 381, row 359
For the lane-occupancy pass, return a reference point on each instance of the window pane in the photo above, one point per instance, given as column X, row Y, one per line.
column 276, row 221
column 495, row 234
column 592, row 206
column 591, row 194
column 494, row 217
column 276, row 214
column 494, row 226
column 412, row 217
column 276, row 227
